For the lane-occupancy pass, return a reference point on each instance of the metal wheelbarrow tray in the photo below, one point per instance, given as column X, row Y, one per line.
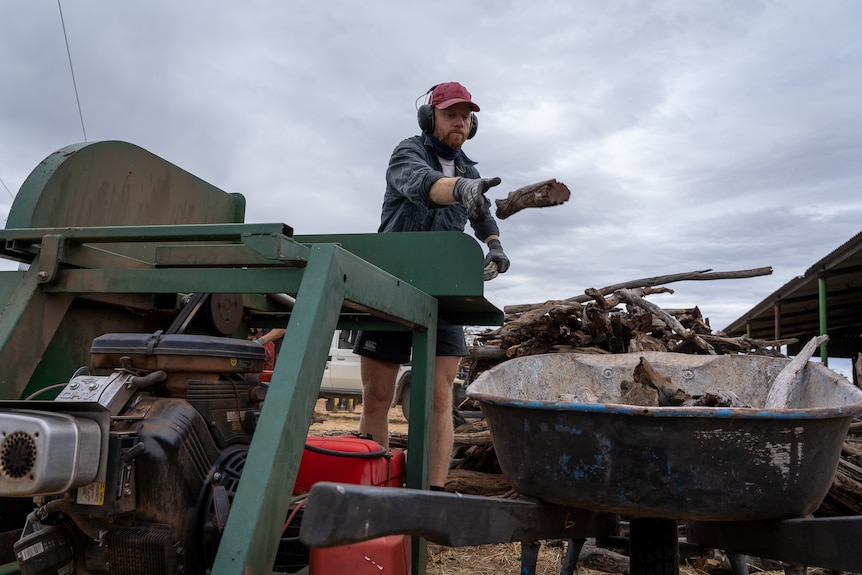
column 701, row 463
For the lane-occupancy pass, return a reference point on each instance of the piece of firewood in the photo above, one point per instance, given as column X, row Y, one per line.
column 779, row 391
column 632, row 393
column 845, row 495
column 490, row 271
column 476, row 438
column 850, row 450
column 668, row 394
column 477, row 483
column 540, row 195
column 629, row 296
column 602, row 559
column 745, row 344
column 610, row 301
column 724, row 398
column 487, row 352
column 645, row 342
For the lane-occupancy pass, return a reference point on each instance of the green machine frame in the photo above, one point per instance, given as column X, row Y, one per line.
column 112, row 237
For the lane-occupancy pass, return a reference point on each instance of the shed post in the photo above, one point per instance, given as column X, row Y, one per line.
column 821, row 288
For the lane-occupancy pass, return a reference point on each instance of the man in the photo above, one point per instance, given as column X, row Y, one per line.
column 431, row 185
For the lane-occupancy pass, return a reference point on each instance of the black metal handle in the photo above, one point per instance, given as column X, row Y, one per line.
column 338, row 514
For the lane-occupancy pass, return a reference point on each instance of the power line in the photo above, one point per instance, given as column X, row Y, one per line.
column 11, row 195
column 74, row 83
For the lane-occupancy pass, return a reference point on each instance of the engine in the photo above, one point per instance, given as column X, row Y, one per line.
column 133, row 467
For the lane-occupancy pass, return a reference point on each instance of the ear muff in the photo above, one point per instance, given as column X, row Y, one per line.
column 425, row 116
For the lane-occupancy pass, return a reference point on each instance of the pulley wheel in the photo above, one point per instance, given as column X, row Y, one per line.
column 222, row 313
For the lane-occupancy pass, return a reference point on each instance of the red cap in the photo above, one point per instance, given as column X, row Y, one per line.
column 448, row 93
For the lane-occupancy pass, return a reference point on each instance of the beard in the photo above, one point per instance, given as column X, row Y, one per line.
column 454, row 139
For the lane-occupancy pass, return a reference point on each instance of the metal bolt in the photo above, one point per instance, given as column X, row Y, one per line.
column 42, row 276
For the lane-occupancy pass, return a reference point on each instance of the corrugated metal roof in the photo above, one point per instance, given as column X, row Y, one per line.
column 794, row 308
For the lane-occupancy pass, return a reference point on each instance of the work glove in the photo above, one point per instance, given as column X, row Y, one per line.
column 496, row 260
column 470, row 193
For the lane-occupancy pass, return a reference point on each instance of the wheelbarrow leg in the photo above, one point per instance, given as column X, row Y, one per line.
column 739, row 564
column 653, row 547
column 573, row 551
column 529, row 556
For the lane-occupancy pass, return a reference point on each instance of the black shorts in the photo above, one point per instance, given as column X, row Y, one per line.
column 395, row 346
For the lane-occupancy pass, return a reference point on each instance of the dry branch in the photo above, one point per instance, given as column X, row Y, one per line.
column 689, row 335
column 648, row 282
column 540, row 195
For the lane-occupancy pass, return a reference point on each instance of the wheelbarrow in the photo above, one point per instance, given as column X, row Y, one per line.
column 561, row 435
column 565, row 443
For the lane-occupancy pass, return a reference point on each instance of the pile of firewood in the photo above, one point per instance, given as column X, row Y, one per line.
column 845, row 496
column 594, row 323
column 617, row 319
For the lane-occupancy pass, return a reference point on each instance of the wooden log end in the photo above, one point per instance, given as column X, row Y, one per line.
column 539, row 195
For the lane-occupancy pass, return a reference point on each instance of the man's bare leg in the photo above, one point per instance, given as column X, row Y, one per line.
column 378, row 383
column 378, row 388
column 443, row 434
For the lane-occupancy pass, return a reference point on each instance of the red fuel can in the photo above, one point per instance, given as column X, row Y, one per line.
column 348, row 459
column 389, row 555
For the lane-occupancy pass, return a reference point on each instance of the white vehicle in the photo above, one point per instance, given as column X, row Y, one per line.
column 342, row 381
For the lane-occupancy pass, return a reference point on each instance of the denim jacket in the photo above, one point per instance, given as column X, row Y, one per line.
column 407, row 206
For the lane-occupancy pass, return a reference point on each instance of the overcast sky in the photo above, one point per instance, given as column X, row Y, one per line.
column 693, row 135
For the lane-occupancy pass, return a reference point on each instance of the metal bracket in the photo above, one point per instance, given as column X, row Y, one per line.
column 49, row 258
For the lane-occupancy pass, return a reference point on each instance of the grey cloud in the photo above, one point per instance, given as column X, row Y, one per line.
column 692, row 135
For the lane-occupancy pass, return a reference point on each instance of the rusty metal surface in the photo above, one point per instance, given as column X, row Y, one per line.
column 560, row 436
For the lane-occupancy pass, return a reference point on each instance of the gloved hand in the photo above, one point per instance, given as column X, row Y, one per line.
column 497, row 256
column 470, row 193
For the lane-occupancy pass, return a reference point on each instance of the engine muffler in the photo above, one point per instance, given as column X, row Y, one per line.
column 46, row 453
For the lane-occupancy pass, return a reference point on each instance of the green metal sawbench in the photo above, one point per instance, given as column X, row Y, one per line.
column 110, row 238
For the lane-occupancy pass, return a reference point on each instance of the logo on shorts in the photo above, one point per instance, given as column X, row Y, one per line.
column 370, row 345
